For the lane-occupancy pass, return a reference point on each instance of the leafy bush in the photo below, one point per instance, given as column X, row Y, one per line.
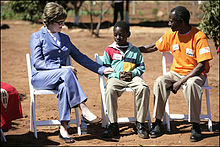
column 33, row 10
column 6, row 13
column 210, row 20
column 29, row 10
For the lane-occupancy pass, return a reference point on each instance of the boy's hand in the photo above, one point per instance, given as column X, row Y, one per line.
column 125, row 76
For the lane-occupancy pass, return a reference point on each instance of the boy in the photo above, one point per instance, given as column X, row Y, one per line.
column 128, row 64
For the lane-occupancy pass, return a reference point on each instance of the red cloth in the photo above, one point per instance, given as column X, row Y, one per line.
column 10, row 105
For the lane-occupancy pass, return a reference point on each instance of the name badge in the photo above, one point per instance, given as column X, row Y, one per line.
column 175, row 47
column 117, row 56
column 190, row 52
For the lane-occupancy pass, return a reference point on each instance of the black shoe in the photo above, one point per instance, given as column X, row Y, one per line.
column 195, row 133
column 157, row 129
column 141, row 130
column 112, row 131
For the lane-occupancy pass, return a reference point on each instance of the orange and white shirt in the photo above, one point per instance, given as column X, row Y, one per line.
column 187, row 49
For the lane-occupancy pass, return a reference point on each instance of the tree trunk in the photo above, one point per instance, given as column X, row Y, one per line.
column 100, row 19
column 76, row 19
column 91, row 18
column 77, row 5
column 134, row 8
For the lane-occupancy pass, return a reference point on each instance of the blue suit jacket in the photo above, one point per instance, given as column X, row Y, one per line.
column 47, row 55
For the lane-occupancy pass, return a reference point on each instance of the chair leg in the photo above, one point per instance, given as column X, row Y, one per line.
column 104, row 114
column 33, row 115
column 3, row 136
column 135, row 108
column 167, row 115
column 77, row 121
column 208, row 110
column 31, row 112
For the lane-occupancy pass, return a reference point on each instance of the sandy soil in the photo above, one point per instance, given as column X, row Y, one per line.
column 15, row 44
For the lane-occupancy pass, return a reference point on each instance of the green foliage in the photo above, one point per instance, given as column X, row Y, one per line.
column 210, row 20
column 28, row 10
column 7, row 13
column 31, row 10
column 157, row 3
column 141, row 13
column 154, row 12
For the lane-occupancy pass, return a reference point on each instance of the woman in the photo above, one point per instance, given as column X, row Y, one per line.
column 50, row 51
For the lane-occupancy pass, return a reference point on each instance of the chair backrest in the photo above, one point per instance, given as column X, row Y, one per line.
column 167, row 57
column 28, row 59
column 29, row 71
column 99, row 60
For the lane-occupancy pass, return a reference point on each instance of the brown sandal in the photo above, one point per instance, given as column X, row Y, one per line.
column 94, row 121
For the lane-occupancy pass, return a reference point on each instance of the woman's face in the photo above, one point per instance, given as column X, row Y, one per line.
column 56, row 26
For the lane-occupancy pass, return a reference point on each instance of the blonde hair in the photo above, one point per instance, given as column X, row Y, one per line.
column 53, row 12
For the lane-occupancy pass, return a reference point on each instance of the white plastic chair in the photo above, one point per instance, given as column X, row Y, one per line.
column 33, row 122
column 105, row 121
column 167, row 57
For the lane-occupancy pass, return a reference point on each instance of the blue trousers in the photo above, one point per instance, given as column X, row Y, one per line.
column 70, row 93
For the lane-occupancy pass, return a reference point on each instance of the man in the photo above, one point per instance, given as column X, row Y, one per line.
column 191, row 53
column 118, row 6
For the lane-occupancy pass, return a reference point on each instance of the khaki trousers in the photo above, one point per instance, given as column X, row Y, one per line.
column 114, row 89
column 192, row 93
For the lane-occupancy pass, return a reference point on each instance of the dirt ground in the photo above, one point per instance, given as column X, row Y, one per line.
column 15, row 43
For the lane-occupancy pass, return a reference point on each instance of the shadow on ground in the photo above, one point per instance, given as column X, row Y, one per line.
column 29, row 140
column 107, row 24
column 96, row 131
column 185, row 127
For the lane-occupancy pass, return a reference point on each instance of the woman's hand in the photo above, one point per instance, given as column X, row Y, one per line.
column 73, row 68
column 108, row 70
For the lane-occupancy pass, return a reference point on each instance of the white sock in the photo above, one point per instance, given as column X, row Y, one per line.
column 64, row 132
column 86, row 112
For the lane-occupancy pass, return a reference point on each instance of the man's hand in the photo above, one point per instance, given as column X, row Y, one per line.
column 108, row 70
column 125, row 76
column 148, row 48
column 176, row 86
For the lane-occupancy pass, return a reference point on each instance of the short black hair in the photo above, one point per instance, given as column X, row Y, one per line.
column 122, row 24
column 181, row 13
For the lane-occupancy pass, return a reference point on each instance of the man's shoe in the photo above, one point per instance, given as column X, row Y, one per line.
column 157, row 130
column 112, row 131
column 141, row 130
column 195, row 133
